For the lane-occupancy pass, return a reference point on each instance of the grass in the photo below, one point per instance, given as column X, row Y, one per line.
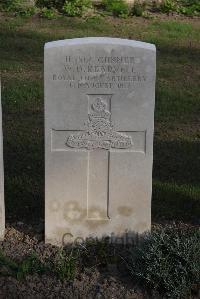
column 176, row 191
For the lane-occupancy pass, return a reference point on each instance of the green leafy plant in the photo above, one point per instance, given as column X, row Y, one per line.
column 118, row 8
column 49, row 13
column 189, row 7
column 168, row 6
column 64, row 265
column 186, row 7
column 74, row 8
column 19, row 7
column 167, row 261
column 31, row 264
column 138, row 8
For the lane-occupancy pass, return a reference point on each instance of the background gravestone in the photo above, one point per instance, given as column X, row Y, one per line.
column 2, row 210
column 99, row 119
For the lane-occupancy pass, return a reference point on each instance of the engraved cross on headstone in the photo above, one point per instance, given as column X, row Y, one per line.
column 99, row 138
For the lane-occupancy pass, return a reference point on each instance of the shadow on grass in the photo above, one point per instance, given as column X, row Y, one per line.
column 22, row 46
column 27, row 45
column 24, row 168
column 23, row 126
column 177, row 161
column 176, row 189
column 172, row 202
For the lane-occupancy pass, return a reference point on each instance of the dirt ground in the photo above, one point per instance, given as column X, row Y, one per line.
column 104, row 281
column 93, row 282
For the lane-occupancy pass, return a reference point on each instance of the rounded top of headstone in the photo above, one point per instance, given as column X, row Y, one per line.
column 100, row 40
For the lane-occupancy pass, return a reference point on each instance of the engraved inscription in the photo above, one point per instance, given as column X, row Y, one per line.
column 100, row 131
column 107, row 72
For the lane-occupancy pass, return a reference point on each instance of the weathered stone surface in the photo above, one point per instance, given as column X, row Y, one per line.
column 2, row 208
column 99, row 118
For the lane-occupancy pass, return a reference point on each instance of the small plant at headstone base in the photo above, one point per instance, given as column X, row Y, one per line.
column 78, row 8
column 49, row 13
column 119, row 8
column 167, row 261
column 138, row 8
column 23, row 8
column 29, row 265
column 66, row 264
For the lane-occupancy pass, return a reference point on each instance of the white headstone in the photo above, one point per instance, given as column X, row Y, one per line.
column 2, row 208
column 99, row 119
